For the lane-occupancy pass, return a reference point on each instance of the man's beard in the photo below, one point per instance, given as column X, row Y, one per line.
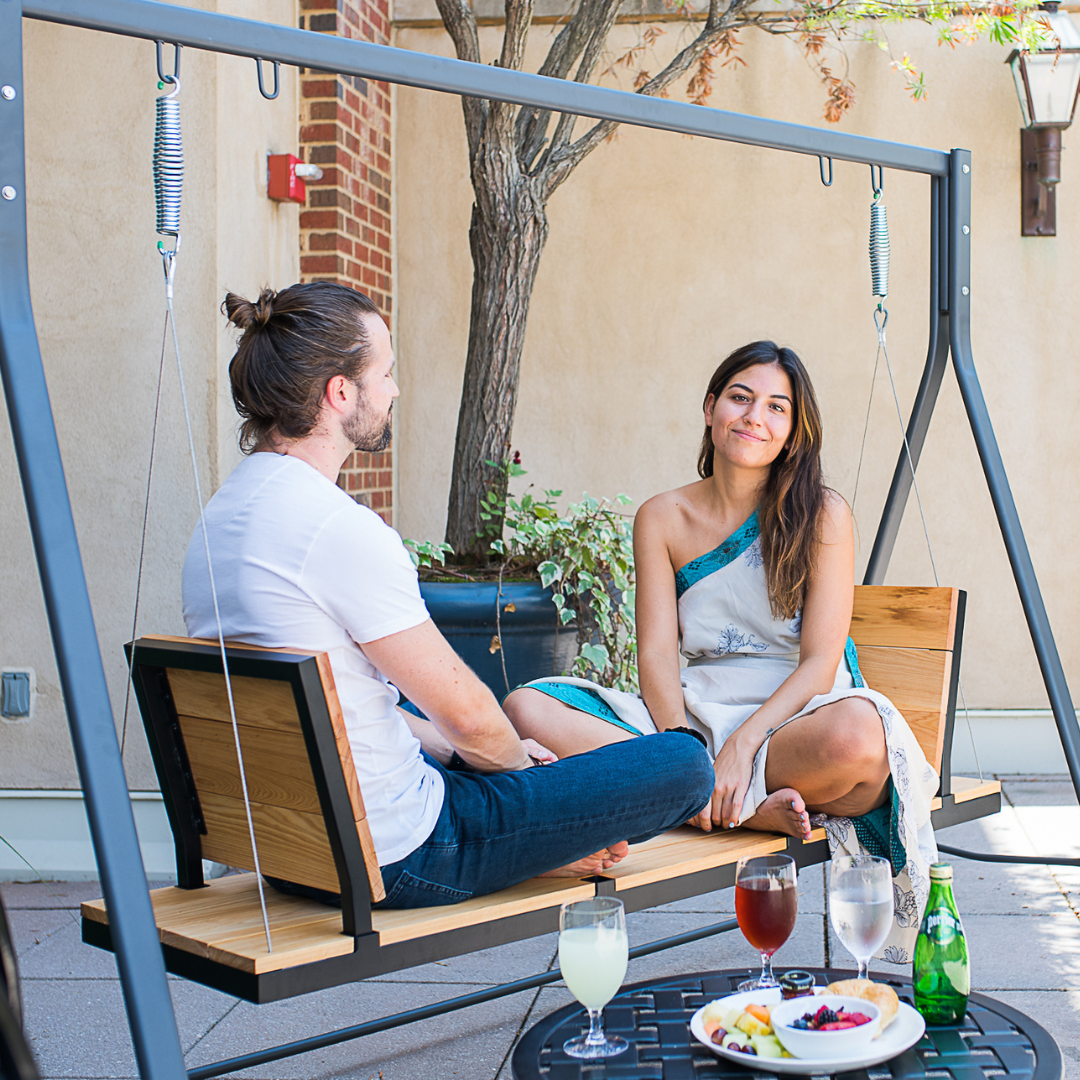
column 368, row 434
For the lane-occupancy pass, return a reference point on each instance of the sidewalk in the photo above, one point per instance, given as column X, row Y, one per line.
column 1022, row 923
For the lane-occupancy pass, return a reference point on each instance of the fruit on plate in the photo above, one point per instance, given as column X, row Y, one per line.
column 767, row 1046
column 719, row 1014
column 749, row 1023
column 759, row 1012
column 740, row 1043
column 884, row 997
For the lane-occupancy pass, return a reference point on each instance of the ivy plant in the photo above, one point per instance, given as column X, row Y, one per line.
column 584, row 555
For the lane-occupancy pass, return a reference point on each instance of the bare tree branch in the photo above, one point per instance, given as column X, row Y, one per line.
column 460, row 23
column 562, row 160
column 571, row 41
column 518, row 20
column 593, row 51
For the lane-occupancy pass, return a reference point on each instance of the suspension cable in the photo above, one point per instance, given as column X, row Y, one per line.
column 168, row 185
column 142, row 538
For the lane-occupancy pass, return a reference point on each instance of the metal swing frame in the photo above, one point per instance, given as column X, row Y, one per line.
column 78, row 657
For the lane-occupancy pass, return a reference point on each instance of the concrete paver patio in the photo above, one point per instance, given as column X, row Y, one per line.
column 1022, row 922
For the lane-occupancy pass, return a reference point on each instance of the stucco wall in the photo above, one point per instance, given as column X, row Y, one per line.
column 99, row 303
column 666, row 252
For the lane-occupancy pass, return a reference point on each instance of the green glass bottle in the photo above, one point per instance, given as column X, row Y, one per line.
column 941, row 972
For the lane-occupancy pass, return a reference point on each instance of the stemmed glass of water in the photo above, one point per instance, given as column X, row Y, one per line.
column 592, row 955
column 861, row 904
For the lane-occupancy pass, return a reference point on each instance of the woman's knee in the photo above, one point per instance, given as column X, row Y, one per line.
column 857, row 738
column 523, row 708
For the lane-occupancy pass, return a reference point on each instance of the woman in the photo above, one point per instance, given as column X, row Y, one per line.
column 750, row 571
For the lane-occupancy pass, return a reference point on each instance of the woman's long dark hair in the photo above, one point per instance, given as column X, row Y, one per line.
column 792, row 500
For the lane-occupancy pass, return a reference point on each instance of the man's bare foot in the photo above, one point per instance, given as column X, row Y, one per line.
column 592, row 864
column 784, row 812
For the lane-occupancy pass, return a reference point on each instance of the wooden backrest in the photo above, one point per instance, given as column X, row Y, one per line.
column 301, row 782
column 908, row 639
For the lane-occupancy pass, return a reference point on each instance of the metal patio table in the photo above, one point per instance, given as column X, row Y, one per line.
column 994, row 1040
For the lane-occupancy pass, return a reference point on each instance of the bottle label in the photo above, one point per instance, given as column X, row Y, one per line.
column 942, row 926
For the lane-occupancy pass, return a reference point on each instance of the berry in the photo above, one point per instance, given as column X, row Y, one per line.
column 718, row 1036
column 823, row 1016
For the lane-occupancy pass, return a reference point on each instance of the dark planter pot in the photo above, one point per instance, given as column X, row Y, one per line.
column 465, row 613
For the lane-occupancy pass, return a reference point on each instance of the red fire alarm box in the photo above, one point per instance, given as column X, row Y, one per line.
column 284, row 185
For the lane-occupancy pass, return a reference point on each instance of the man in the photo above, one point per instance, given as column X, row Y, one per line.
column 297, row 563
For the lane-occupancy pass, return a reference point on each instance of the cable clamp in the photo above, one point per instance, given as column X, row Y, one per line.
column 168, row 264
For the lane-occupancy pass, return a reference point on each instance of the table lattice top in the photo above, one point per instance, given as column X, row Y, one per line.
column 994, row 1041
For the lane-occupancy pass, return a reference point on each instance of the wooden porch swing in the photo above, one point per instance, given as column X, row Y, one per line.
column 310, row 826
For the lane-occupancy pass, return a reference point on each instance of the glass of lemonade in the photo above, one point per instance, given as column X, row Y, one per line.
column 766, row 904
column 861, row 904
column 592, row 955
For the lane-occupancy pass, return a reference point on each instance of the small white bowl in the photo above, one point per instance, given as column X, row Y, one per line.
column 824, row 1044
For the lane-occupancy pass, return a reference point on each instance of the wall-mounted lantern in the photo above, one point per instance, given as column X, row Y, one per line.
column 1047, row 81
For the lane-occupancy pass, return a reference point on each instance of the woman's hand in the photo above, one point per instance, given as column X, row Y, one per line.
column 734, row 767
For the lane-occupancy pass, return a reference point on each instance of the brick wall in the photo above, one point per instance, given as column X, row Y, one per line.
column 345, row 226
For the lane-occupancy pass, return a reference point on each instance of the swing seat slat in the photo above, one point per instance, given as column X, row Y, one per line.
column 311, row 827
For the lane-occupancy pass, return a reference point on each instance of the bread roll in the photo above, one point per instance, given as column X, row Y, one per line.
column 884, row 997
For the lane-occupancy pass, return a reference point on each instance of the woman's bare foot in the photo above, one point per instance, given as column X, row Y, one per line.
column 593, row 864
column 784, row 812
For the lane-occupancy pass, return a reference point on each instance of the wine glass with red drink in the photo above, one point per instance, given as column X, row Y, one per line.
column 766, row 903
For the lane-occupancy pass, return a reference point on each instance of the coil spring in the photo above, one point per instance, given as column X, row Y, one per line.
column 879, row 249
column 168, row 163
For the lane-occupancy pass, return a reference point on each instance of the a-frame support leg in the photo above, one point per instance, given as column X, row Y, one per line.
column 951, row 244
column 78, row 658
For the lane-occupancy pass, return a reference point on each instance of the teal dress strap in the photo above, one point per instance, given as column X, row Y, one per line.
column 719, row 557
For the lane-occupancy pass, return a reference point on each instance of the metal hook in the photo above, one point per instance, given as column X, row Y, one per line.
column 821, row 169
column 168, row 263
column 277, row 83
column 162, row 77
column 879, row 184
column 175, row 87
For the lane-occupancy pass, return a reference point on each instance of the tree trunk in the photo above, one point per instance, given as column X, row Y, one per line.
column 507, row 235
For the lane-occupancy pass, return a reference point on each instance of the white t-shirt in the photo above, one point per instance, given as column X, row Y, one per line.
column 299, row 564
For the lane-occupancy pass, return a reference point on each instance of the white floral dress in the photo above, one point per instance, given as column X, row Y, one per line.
column 737, row 655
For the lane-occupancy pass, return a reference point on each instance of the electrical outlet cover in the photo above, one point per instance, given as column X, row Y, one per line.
column 18, row 691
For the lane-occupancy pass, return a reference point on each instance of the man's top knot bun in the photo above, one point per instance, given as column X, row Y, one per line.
column 246, row 315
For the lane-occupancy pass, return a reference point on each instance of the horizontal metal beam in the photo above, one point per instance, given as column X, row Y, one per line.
column 305, row 48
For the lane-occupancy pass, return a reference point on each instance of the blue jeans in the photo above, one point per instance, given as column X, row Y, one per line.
column 497, row 829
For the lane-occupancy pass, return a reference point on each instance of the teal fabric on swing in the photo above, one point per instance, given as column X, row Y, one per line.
column 851, row 657
column 878, row 832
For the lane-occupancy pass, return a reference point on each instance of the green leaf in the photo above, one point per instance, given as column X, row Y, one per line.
column 549, row 572
column 596, row 655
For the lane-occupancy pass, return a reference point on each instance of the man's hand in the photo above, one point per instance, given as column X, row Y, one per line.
column 421, row 663
column 540, row 755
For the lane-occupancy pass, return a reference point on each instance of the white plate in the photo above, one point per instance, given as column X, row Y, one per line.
column 902, row 1034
